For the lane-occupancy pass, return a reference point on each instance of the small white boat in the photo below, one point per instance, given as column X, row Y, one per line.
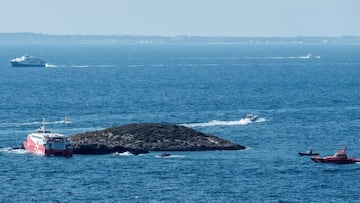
column 67, row 119
column 251, row 117
column 27, row 61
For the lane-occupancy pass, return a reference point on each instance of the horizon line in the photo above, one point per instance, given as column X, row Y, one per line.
column 180, row 35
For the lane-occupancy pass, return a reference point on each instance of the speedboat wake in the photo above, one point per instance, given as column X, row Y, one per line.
column 47, row 65
column 308, row 56
column 66, row 120
column 243, row 121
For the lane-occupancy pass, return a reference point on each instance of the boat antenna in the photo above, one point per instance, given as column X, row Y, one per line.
column 43, row 126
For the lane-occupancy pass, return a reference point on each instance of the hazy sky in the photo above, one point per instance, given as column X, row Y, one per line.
column 183, row 17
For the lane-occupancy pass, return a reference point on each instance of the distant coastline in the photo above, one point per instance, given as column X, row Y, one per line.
column 39, row 38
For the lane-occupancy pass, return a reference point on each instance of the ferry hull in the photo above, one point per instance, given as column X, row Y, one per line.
column 51, row 152
column 34, row 148
column 17, row 64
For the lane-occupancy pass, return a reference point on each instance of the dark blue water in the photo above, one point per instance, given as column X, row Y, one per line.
column 303, row 102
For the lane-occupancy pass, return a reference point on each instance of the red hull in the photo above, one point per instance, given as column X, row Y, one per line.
column 339, row 157
column 32, row 147
column 334, row 160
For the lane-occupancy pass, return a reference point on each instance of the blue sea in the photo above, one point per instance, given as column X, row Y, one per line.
column 303, row 102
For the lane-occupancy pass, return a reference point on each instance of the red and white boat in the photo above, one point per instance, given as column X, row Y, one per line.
column 339, row 157
column 45, row 143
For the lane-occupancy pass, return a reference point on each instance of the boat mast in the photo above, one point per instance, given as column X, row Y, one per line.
column 43, row 126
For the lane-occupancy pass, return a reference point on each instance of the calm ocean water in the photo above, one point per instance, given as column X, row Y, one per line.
column 304, row 102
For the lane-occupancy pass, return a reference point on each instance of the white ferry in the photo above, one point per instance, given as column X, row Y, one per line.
column 45, row 143
column 27, row 61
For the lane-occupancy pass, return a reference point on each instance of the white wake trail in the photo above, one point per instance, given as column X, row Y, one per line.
column 242, row 121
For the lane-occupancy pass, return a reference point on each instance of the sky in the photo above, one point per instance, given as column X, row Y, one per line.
column 263, row 18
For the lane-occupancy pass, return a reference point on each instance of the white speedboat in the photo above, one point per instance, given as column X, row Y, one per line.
column 45, row 143
column 27, row 61
column 251, row 117
column 67, row 119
